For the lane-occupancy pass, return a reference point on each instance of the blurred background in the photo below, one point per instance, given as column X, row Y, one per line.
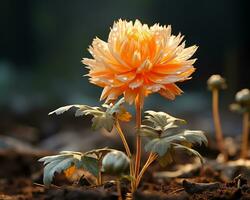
column 43, row 42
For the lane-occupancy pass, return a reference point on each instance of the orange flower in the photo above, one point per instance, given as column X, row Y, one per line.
column 139, row 60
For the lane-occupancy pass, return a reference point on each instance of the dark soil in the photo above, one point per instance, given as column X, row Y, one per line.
column 21, row 179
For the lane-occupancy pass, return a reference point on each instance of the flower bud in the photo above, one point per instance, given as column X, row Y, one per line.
column 216, row 82
column 243, row 97
column 115, row 163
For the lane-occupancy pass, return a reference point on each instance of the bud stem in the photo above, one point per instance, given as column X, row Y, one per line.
column 125, row 144
column 245, row 131
column 118, row 184
column 217, row 123
column 151, row 158
column 124, row 141
column 99, row 177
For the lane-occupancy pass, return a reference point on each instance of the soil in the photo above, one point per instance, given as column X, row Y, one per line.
column 21, row 179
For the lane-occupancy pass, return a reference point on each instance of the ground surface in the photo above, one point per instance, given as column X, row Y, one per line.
column 21, row 179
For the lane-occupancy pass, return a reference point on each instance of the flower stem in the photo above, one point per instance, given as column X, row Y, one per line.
column 245, row 131
column 151, row 158
column 138, row 137
column 217, row 123
column 128, row 152
column 124, row 141
column 99, row 177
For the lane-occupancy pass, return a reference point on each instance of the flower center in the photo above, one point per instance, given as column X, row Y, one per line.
column 144, row 67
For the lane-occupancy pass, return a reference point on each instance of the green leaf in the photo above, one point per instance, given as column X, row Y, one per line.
column 72, row 153
column 101, row 118
column 166, row 136
column 48, row 159
column 158, row 146
column 95, row 111
column 90, row 164
column 147, row 131
column 99, row 153
column 81, row 110
column 161, row 119
column 170, row 127
column 104, row 121
column 171, row 130
column 66, row 159
column 63, row 109
column 189, row 151
column 166, row 159
column 195, row 136
column 55, row 164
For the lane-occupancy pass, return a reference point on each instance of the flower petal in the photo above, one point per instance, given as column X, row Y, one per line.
column 125, row 77
column 171, row 91
column 136, row 83
column 130, row 95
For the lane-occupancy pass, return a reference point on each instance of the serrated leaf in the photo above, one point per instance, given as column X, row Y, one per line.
column 52, row 167
column 104, row 121
column 190, row 151
column 161, row 119
column 170, row 127
column 158, row 146
column 166, row 159
column 71, row 153
column 99, row 153
column 166, row 136
column 195, row 136
column 101, row 118
column 59, row 163
column 174, row 138
column 95, row 111
column 63, row 109
column 67, row 159
column 90, row 164
column 147, row 131
column 81, row 110
column 48, row 159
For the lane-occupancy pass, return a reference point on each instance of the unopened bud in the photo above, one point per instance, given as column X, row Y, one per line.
column 115, row 163
column 216, row 82
column 243, row 97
